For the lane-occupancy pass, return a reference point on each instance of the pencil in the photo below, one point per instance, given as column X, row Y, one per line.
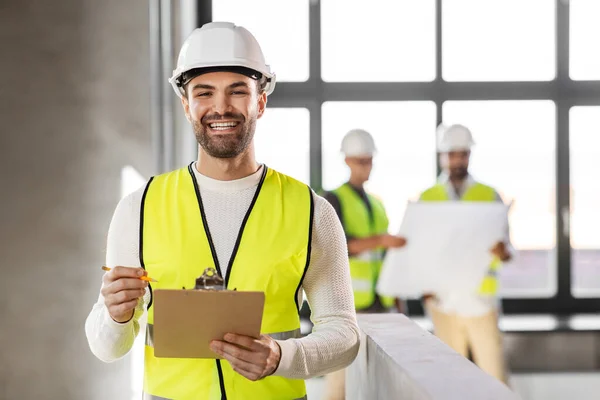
column 144, row 278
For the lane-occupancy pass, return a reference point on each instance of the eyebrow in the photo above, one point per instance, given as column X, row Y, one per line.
column 238, row 84
column 209, row 87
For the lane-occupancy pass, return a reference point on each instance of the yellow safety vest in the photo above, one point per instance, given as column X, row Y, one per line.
column 364, row 268
column 271, row 254
column 477, row 192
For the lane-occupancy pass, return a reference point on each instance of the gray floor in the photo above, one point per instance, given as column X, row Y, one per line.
column 551, row 386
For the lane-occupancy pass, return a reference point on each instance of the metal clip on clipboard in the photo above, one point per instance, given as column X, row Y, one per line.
column 210, row 280
column 186, row 321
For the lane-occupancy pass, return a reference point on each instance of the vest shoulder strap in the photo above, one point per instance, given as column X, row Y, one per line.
column 435, row 193
column 480, row 192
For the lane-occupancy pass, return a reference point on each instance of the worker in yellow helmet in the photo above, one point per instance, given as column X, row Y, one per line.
column 468, row 321
column 260, row 229
column 365, row 223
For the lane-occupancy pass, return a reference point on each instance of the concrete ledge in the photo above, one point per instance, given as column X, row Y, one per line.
column 399, row 360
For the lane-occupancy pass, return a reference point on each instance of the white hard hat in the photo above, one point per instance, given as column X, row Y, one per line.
column 454, row 138
column 221, row 44
column 358, row 143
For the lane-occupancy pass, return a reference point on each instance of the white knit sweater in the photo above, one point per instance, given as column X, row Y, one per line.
column 334, row 341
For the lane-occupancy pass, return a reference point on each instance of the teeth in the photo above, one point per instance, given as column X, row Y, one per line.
column 223, row 125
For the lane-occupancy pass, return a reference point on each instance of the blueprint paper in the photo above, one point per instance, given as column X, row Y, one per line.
column 447, row 247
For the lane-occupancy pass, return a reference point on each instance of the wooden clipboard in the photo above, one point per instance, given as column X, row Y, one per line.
column 185, row 321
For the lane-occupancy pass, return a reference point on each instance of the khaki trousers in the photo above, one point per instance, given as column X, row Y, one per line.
column 479, row 334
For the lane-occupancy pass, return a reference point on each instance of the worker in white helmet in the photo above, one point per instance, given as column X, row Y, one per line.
column 468, row 321
column 365, row 223
column 259, row 229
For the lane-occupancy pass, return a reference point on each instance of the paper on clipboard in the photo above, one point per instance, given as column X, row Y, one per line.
column 447, row 248
column 185, row 321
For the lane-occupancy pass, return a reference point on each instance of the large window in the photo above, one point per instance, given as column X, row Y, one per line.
column 584, row 60
column 515, row 153
column 379, row 41
column 508, row 40
column 510, row 70
column 282, row 141
column 405, row 161
column 585, row 201
column 287, row 53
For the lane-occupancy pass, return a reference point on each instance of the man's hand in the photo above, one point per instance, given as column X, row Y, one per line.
column 122, row 289
column 249, row 357
column 391, row 241
column 427, row 297
column 500, row 251
column 399, row 305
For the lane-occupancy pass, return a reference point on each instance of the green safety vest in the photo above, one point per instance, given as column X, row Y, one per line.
column 271, row 255
column 365, row 267
column 477, row 192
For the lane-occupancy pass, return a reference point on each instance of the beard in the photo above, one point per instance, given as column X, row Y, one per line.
column 459, row 173
column 226, row 145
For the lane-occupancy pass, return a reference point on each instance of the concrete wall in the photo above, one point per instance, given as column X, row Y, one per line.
column 74, row 109
column 399, row 360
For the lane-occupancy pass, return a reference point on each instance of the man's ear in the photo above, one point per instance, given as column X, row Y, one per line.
column 186, row 107
column 262, row 104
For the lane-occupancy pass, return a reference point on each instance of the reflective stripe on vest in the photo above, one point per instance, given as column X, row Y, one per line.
column 477, row 192
column 364, row 267
column 271, row 254
column 362, row 285
column 147, row 396
column 493, row 273
column 373, row 255
column 150, row 335
column 293, row 334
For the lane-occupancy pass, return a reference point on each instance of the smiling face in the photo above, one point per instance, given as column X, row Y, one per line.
column 223, row 108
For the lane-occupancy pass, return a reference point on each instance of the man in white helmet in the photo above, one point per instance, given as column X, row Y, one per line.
column 260, row 229
column 468, row 321
column 365, row 223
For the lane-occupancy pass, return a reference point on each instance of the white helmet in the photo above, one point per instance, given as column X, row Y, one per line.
column 358, row 143
column 221, row 44
column 454, row 138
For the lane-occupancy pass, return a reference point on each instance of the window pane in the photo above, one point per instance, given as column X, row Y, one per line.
column 283, row 145
column 287, row 54
column 384, row 41
column 405, row 163
column 515, row 153
column 585, row 198
column 584, row 57
column 509, row 40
